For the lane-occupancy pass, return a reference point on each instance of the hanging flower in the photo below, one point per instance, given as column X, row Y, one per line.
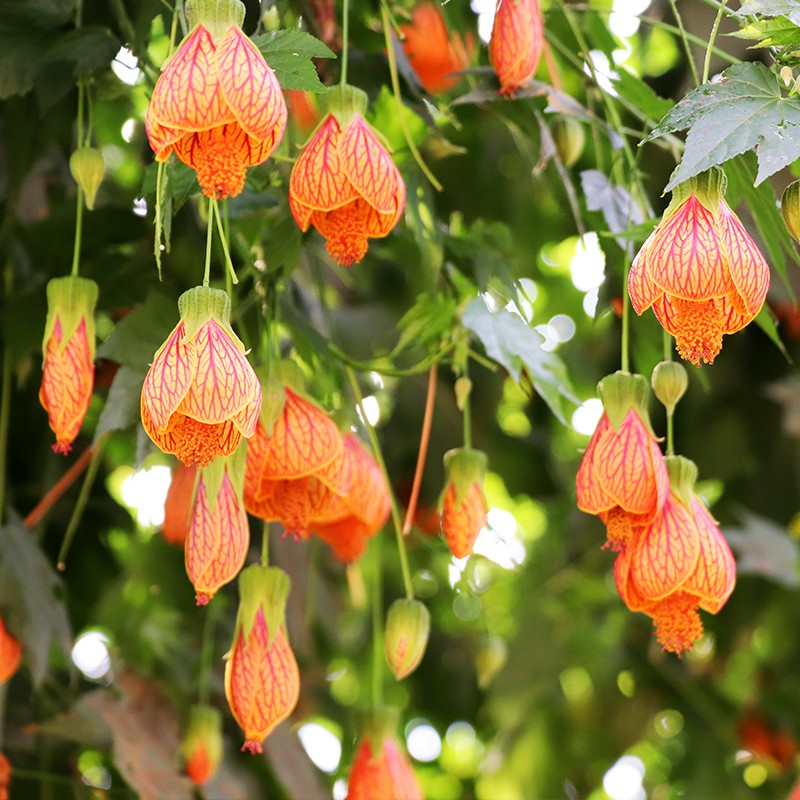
column 10, row 653
column 201, row 747
column 353, row 518
column 262, row 680
column 201, row 394
column 68, row 369
column 433, row 52
column 676, row 564
column 179, row 505
column 217, row 105
column 622, row 476
column 516, row 42
column 5, row 777
column 462, row 505
column 219, row 534
column 699, row 270
column 345, row 183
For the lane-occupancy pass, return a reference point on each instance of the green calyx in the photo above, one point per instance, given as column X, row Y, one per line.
column 71, row 300
column 344, row 102
column 622, row 392
column 198, row 305
column 213, row 474
column 463, row 467
column 682, row 478
column 266, row 588
column 216, row 16
column 790, row 209
column 378, row 724
column 708, row 188
column 204, row 728
column 669, row 382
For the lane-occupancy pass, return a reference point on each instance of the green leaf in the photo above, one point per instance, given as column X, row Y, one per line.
column 513, row 344
column 426, row 322
column 614, row 202
column 766, row 321
column 771, row 8
column 765, row 549
column 383, row 117
column 289, row 53
column 633, row 89
column 88, row 48
column 742, row 111
column 122, row 406
column 30, row 596
column 20, row 60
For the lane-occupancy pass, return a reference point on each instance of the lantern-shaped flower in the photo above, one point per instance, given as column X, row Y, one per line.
column 381, row 770
column 201, row 747
column 516, row 42
column 201, row 394
column 699, row 270
column 677, row 563
column 68, row 348
column 10, row 653
column 353, row 518
column 217, row 105
column 216, row 545
column 622, row 476
column 462, row 505
column 262, row 680
column 345, row 183
column 179, row 505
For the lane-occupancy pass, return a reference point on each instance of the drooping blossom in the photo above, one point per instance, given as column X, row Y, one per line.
column 68, row 369
column 262, row 679
column 201, row 396
column 622, row 476
column 10, row 653
column 408, row 624
column 382, row 770
column 516, row 42
column 217, row 104
column 462, row 504
column 201, row 747
column 219, row 534
column 677, row 564
column 345, row 183
column 179, row 505
column 5, row 777
column 699, row 270
column 433, row 52
column 356, row 516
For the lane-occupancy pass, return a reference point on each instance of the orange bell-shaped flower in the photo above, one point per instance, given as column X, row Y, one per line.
column 463, row 505
column 68, row 369
column 622, row 476
column 10, row 653
column 699, row 270
column 201, row 747
column 434, row 54
column 201, row 394
column 262, row 679
column 219, row 535
column 516, row 42
column 345, row 183
column 217, row 105
column 179, row 505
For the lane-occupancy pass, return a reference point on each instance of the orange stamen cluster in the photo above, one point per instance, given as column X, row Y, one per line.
column 516, row 42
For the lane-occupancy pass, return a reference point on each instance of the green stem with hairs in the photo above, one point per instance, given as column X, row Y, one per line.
column 345, row 39
column 224, row 240
column 377, row 625
column 682, row 32
column 209, row 236
column 711, row 39
column 265, row 545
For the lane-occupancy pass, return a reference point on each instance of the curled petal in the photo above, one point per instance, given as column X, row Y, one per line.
column 591, row 496
column 625, row 586
column 641, row 288
column 168, row 379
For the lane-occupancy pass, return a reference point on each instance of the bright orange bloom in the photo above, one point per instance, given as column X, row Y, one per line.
column 5, row 777
column 346, row 185
column 201, row 747
column 381, row 770
column 262, row 679
column 217, row 105
column 700, row 270
column 623, row 476
column 10, row 653
column 434, row 54
column 516, row 42
column 354, row 517
column 179, row 505
column 463, row 504
column 219, row 535
column 201, row 394
column 68, row 369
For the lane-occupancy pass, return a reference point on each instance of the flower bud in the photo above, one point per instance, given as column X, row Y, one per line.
column 462, row 504
column 5, row 777
column 202, row 744
column 88, row 168
column 463, row 388
column 10, row 653
column 408, row 624
column 490, row 658
column 669, row 382
column 790, row 209
column 569, row 139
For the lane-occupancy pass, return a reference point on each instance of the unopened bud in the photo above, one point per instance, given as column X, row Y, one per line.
column 490, row 658
column 88, row 168
column 569, row 139
column 463, row 389
column 408, row 624
column 669, row 383
column 790, row 209
column 202, row 745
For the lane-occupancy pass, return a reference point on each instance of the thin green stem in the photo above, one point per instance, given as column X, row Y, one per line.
column 209, row 236
column 376, row 450
column 399, row 103
column 345, row 39
column 685, row 40
column 207, row 655
column 265, row 545
column 5, row 395
column 224, row 240
column 625, row 363
column 667, row 339
column 711, row 39
column 467, row 412
column 76, row 250
column 377, row 625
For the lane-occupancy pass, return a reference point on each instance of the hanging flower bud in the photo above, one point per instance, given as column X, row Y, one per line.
column 10, row 653
column 669, row 382
column 790, row 209
column 516, row 42
column 569, row 138
column 219, row 535
column 462, row 505
column 262, row 680
column 201, row 747
column 217, row 104
column 201, row 395
column 5, row 777
column 408, row 625
column 179, row 505
column 68, row 369
column 490, row 658
column 88, row 168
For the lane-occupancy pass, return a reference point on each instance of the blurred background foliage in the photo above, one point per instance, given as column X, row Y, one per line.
column 537, row 682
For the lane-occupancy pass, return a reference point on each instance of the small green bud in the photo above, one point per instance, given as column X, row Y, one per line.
column 408, row 624
column 88, row 168
column 669, row 382
column 490, row 658
column 569, row 138
column 790, row 209
column 463, row 389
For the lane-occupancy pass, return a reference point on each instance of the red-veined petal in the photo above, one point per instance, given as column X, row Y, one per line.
column 169, row 378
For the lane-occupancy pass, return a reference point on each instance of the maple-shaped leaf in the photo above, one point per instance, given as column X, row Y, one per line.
column 289, row 53
column 771, row 8
column 766, row 549
column 743, row 110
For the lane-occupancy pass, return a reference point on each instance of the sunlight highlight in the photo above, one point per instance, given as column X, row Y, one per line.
column 322, row 746
column 90, row 655
column 624, row 780
column 145, row 491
